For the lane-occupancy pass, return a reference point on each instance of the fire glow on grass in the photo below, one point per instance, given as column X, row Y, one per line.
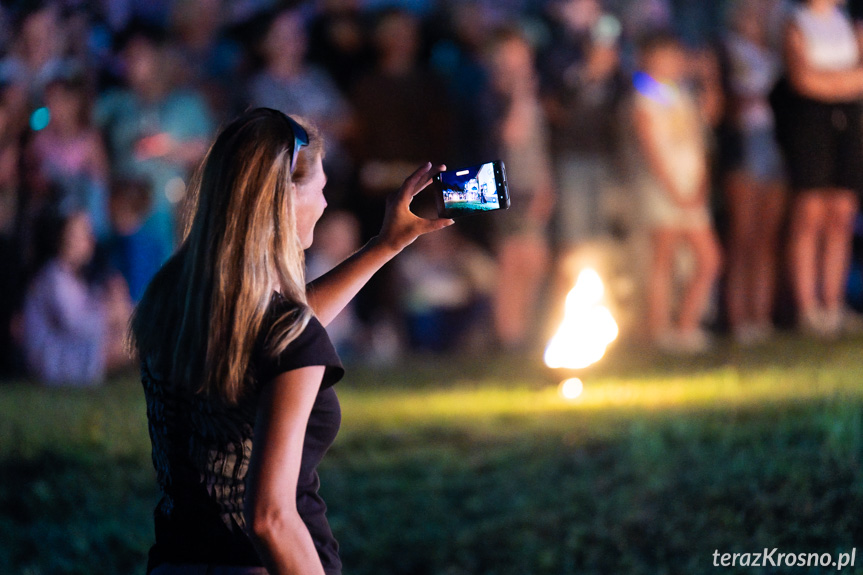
column 587, row 327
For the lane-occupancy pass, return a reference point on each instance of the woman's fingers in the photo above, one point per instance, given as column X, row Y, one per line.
column 401, row 226
column 414, row 179
column 419, row 180
column 430, row 173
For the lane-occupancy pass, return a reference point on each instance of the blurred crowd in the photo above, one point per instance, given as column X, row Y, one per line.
column 709, row 171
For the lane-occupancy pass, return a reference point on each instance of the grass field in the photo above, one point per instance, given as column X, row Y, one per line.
column 458, row 467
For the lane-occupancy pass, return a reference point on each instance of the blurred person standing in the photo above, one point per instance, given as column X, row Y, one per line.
column 668, row 158
column 819, row 124
column 520, row 135
column 338, row 42
column 70, row 155
column 210, row 59
column 755, row 188
column 66, row 321
column 457, row 56
column 11, row 261
column 585, row 86
column 38, row 52
column 392, row 103
column 638, row 19
column 157, row 131
column 288, row 84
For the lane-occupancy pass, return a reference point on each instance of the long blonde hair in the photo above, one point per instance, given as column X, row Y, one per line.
column 200, row 318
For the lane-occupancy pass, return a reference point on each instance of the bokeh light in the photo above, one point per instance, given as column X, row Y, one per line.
column 40, row 118
column 571, row 389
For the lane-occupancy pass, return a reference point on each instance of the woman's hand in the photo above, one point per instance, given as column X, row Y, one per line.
column 330, row 293
column 401, row 226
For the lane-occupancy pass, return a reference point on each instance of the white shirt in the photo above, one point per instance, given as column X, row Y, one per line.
column 831, row 44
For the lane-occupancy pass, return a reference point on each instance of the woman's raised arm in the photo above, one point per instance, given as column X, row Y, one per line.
column 329, row 294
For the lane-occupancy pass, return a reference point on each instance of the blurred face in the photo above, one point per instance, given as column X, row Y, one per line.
column 666, row 64
column 310, row 202
column 65, row 105
column 286, row 38
column 580, row 15
column 41, row 33
column 142, row 63
column 512, row 64
column 78, row 242
column 398, row 34
column 748, row 21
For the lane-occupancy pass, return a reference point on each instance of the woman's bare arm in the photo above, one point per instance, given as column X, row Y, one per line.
column 277, row 530
column 839, row 86
column 330, row 293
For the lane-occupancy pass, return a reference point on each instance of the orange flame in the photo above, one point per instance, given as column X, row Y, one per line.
column 587, row 327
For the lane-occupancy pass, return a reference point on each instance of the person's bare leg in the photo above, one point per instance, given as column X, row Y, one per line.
column 841, row 209
column 508, row 294
column 663, row 242
column 708, row 259
column 770, row 213
column 522, row 264
column 741, row 203
column 807, row 219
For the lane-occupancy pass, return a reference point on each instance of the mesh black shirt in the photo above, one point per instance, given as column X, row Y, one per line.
column 201, row 451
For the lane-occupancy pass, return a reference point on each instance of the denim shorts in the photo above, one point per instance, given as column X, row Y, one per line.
column 762, row 157
column 203, row 569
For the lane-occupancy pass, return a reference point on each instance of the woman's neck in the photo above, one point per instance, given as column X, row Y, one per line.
column 822, row 7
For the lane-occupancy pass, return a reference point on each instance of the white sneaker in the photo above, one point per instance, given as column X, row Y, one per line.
column 695, row 341
column 813, row 323
column 752, row 334
column 690, row 342
column 852, row 322
column 832, row 322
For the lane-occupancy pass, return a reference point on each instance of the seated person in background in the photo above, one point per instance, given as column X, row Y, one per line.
column 67, row 322
column 669, row 161
column 449, row 283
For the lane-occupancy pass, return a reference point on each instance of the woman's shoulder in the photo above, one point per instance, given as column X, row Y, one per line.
column 312, row 346
column 282, row 311
column 279, row 309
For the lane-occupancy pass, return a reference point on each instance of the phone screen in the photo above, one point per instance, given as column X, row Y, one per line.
column 472, row 190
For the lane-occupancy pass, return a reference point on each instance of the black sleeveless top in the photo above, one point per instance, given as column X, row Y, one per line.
column 201, row 451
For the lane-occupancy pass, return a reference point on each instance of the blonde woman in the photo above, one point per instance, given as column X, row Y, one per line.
column 236, row 365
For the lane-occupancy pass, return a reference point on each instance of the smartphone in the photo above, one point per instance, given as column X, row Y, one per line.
column 472, row 190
